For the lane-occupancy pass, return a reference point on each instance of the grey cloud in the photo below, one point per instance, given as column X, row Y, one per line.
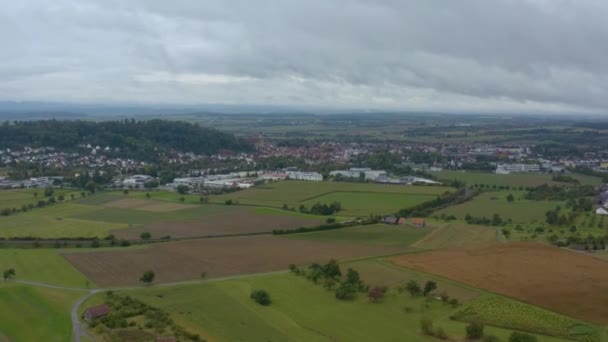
column 501, row 55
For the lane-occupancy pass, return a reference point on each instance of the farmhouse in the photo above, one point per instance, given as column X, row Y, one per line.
column 96, row 312
column 418, row 222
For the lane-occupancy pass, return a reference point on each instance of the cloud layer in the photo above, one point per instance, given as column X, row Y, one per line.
column 488, row 56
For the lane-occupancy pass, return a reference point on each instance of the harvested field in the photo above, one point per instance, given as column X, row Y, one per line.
column 147, row 205
column 559, row 280
column 221, row 257
column 237, row 221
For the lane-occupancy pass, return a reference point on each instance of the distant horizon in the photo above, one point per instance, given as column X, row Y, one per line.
column 504, row 56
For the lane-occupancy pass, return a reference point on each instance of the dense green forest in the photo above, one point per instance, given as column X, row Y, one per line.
column 144, row 140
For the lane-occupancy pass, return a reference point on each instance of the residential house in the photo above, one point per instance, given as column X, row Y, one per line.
column 401, row 220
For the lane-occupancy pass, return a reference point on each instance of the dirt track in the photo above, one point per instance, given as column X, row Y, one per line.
column 186, row 260
column 563, row 281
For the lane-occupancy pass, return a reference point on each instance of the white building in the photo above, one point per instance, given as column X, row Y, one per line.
column 355, row 172
column 307, row 176
column 505, row 169
column 136, row 180
column 601, row 211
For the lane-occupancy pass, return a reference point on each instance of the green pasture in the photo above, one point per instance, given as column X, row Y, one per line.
column 495, row 202
column 511, row 180
column 16, row 198
column 363, row 198
column 43, row 266
column 31, row 313
column 364, row 204
column 378, row 235
column 300, row 311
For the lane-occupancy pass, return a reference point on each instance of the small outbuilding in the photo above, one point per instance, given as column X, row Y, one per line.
column 390, row 219
column 96, row 312
column 401, row 220
column 418, row 222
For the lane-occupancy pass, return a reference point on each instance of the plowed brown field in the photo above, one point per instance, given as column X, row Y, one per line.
column 220, row 257
column 563, row 281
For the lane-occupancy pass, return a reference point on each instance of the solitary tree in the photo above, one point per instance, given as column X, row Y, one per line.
column 510, row 198
column 376, row 293
column 413, row 288
column 182, row 189
column 125, row 192
column 261, row 297
column 48, row 191
column 8, row 274
column 147, row 277
column 145, row 236
column 428, row 287
column 474, row 330
column 147, row 195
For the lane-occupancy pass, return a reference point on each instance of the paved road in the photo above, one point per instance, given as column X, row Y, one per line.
column 77, row 329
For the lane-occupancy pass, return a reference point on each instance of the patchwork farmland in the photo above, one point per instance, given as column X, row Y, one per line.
column 221, row 257
column 562, row 281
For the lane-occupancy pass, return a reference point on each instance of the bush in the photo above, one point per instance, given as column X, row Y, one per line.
column 440, row 334
column 474, row 330
column 413, row 288
column 517, row 336
column 426, row 326
column 261, row 297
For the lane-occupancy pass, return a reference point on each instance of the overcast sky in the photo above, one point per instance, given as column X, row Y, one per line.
column 436, row 55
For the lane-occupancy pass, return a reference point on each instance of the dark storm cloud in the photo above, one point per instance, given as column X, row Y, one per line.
column 500, row 55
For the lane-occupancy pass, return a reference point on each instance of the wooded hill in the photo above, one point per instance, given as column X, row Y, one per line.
column 144, row 140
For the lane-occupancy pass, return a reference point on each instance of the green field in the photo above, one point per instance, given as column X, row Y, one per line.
column 454, row 234
column 507, row 313
column 364, row 204
column 517, row 179
column 299, row 311
column 378, row 234
column 358, row 198
column 35, row 313
column 16, row 198
column 495, row 202
column 42, row 265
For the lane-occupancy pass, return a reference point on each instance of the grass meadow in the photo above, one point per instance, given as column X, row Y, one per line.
column 35, row 313
column 495, row 202
column 42, row 265
column 516, row 179
column 302, row 311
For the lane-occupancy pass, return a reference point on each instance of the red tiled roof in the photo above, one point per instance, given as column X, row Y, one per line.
column 98, row 311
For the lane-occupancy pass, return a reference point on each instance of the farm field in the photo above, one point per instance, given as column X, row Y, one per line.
column 379, row 271
column 374, row 235
column 487, row 204
column 503, row 312
column 294, row 193
column 232, row 221
column 521, row 179
column 455, row 234
column 522, row 270
column 364, row 204
column 220, row 257
column 16, row 198
column 300, row 310
column 35, row 314
column 110, row 213
column 42, row 265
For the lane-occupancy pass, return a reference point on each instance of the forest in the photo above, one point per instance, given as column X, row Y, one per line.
column 143, row 140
